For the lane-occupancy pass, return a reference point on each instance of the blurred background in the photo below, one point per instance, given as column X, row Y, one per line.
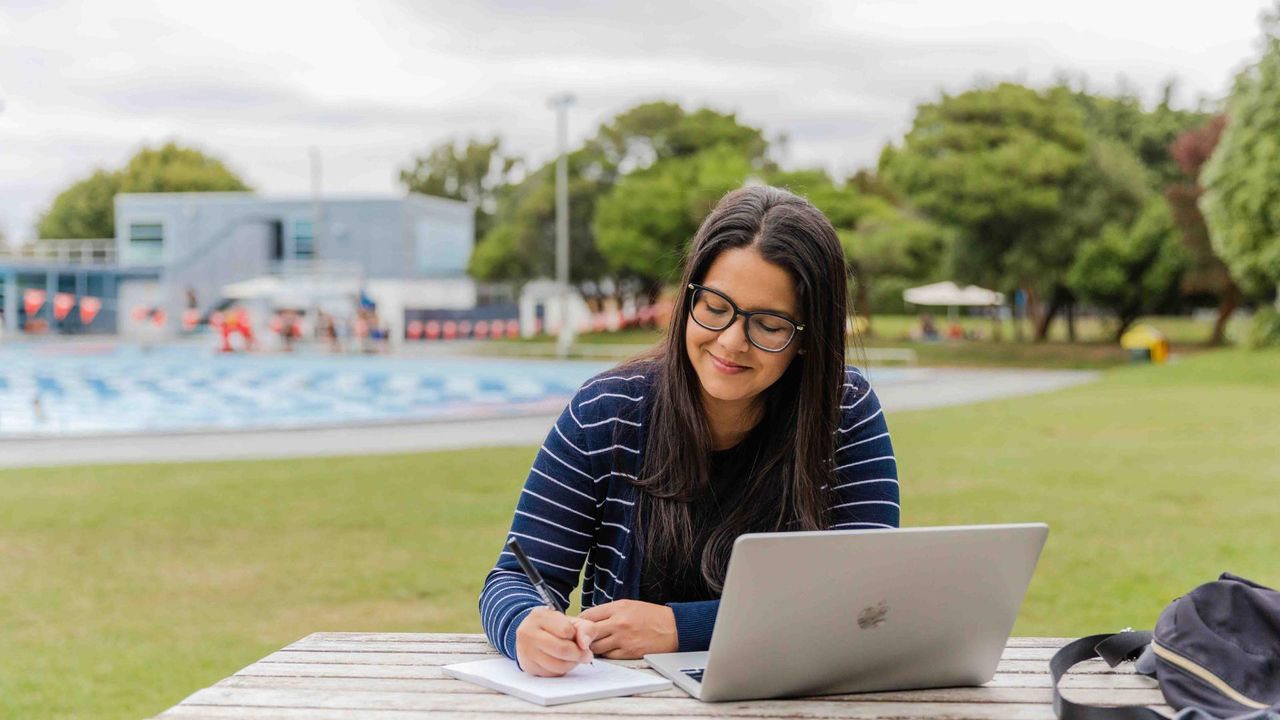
column 235, row 238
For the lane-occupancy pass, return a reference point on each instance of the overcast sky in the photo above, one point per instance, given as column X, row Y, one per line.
column 373, row 82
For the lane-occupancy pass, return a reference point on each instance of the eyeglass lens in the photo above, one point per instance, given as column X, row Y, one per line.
column 766, row 331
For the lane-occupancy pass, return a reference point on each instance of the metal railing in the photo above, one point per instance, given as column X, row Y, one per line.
column 97, row 251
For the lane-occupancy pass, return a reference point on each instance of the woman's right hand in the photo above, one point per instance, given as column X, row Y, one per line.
column 550, row 643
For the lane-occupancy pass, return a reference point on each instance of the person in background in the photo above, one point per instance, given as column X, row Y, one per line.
column 743, row 419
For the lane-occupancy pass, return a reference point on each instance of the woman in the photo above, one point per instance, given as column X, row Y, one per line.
column 745, row 419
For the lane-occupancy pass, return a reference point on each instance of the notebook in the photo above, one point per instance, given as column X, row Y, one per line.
column 585, row 682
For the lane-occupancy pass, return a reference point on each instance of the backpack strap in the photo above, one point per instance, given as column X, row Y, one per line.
column 1114, row 649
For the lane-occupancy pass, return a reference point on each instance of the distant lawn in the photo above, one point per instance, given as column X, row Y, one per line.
column 126, row 588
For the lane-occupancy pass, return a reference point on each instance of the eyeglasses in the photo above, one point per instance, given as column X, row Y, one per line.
column 713, row 310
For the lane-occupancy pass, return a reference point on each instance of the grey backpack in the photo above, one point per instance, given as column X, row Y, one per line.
column 1215, row 652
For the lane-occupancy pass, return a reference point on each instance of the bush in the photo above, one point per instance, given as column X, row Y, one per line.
column 1264, row 331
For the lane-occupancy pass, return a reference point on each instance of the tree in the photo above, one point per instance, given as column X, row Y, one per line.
column 474, row 172
column 646, row 147
column 1242, row 199
column 86, row 209
column 644, row 225
column 890, row 249
column 1131, row 271
column 995, row 163
column 1147, row 133
column 1207, row 273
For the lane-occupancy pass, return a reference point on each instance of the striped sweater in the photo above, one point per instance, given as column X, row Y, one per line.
column 578, row 505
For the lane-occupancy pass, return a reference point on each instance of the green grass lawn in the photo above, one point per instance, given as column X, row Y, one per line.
column 126, row 588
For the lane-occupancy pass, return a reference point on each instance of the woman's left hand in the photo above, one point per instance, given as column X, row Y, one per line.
column 628, row 629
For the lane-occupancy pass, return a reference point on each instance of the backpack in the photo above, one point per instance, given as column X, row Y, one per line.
column 1215, row 652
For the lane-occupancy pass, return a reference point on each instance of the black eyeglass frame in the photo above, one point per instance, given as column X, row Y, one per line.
column 737, row 311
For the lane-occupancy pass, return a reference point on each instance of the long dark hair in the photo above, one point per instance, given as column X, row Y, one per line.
column 785, row 486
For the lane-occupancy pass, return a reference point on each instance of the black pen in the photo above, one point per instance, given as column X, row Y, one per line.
column 534, row 576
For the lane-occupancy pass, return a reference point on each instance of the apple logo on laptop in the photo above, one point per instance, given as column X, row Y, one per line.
column 874, row 616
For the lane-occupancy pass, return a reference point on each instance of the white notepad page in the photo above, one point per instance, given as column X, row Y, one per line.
column 585, row 682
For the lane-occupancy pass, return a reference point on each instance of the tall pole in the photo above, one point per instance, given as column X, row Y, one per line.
column 561, row 103
column 317, row 212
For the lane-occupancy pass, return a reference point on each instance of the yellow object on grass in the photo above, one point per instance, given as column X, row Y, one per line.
column 1145, row 343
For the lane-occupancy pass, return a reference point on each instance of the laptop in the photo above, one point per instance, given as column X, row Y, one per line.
column 846, row 611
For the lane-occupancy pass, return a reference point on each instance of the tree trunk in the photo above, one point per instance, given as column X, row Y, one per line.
column 1227, row 305
column 1071, row 322
column 862, row 303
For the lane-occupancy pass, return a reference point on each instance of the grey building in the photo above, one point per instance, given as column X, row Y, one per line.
column 174, row 251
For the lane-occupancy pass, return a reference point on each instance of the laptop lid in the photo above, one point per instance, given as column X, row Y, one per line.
column 811, row 613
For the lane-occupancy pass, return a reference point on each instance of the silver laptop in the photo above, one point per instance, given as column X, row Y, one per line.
column 841, row 611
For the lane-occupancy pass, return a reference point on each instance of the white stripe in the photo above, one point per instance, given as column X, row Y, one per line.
column 853, row 370
column 866, row 482
column 860, row 442
column 864, row 397
column 615, row 472
column 566, row 487
column 620, row 527
column 615, row 550
column 880, row 525
column 608, row 572
column 863, row 421
column 605, row 395
column 553, row 502
column 869, row 460
column 611, row 377
column 562, row 527
column 604, row 593
column 544, row 449
column 591, row 452
column 498, row 628
column 535, row 538
column 612, row 499
column 575, row 418
column 612, row 419
column 497, row 600
column 544, row 562
column 868, row 502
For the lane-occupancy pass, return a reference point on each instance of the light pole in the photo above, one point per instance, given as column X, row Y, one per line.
column 561, row 104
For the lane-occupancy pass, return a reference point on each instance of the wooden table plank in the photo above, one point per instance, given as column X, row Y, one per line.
column 395, row 676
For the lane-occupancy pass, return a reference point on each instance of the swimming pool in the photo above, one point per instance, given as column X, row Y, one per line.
column 82, row 389
column 70, row 389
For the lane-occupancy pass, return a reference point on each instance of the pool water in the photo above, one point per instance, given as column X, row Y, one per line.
column 48, row 389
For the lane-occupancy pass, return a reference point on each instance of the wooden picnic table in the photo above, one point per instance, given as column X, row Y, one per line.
column 397, row 676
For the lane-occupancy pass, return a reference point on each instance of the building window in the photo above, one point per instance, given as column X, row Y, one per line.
column 304, row 242
column 146, row 242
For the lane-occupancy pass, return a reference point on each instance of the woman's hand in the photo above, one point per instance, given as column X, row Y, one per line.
column 550, row 643
column 631, row 629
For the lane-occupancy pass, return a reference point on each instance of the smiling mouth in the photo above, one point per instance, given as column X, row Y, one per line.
column 727, row 364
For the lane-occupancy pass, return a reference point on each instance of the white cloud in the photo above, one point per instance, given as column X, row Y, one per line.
column 374, row 82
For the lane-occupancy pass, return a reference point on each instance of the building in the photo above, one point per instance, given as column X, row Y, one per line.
column 173, row 252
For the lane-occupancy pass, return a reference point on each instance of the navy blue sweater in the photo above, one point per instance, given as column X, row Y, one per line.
column 578, row 505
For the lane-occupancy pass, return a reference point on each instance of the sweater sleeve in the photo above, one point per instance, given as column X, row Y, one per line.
column 866, row 490
column 554, row 519
column 694, row 623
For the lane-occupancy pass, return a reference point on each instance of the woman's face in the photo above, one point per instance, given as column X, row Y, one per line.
column 731, row 370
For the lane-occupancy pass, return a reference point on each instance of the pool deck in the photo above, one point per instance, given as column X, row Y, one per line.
column 924, row 388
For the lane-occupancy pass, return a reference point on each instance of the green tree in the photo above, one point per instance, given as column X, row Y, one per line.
column 890, row 249
column 1242, row 198
column 1131, row 271
column 644, row 225
column 996, row 163
column 474, row 172
column 644, row 146
column 1146, row 133
column 1207, row 274
column 86, row 209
